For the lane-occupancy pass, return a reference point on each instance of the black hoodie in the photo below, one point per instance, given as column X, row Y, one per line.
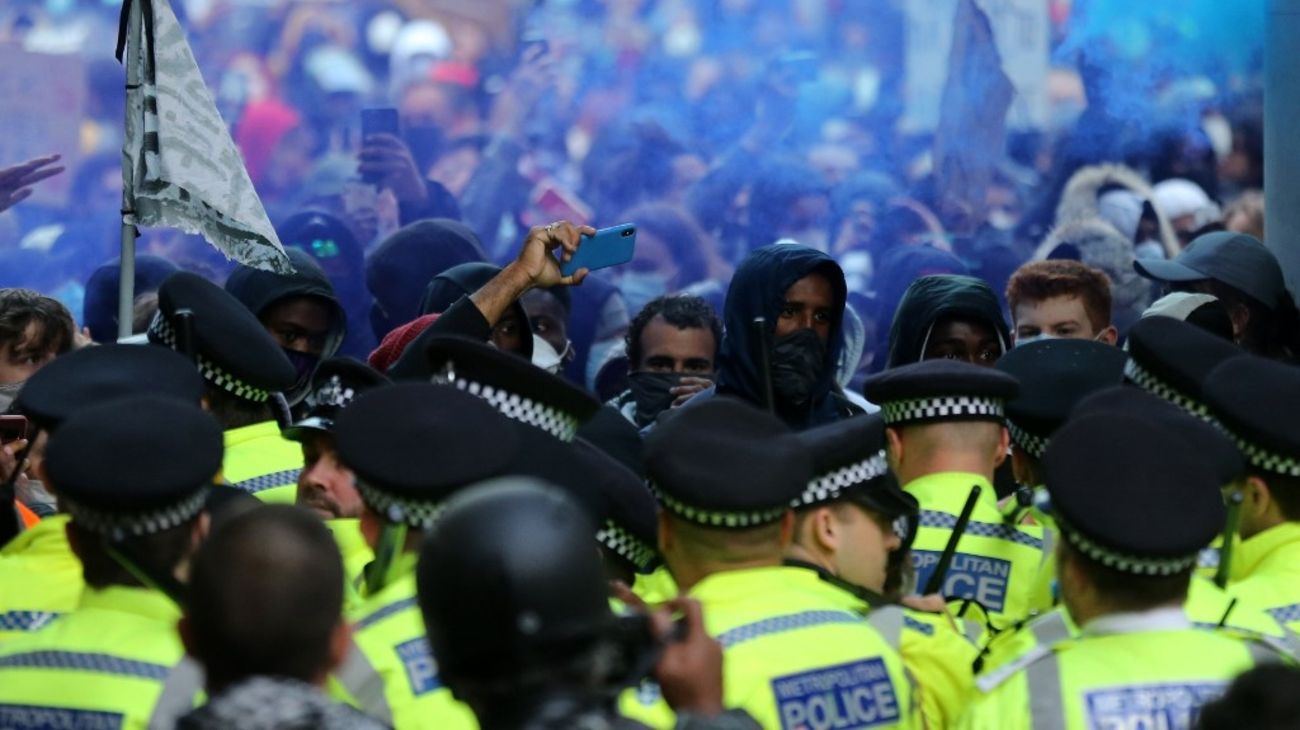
column 758, row 290
column 932, row 298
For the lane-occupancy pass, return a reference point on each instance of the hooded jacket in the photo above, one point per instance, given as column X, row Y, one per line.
column 99, row 309
column 1097, row 243
column 257, row 290
column 758, row 290
column 329, row 240
column 399, row 269
column 932, row 298
column 1082, row 199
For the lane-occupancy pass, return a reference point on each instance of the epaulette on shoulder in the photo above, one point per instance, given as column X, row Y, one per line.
column 1286, row 647
column 1050, row 632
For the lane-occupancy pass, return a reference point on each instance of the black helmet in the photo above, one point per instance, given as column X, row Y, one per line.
column 510, row 581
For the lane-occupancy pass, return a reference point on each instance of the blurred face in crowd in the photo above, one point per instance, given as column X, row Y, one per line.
column 806, row 221
column 325, row 485
column 966, row 340
column 301, row 324
column 809, row 304
column 549, row 320
column 654, row 258
column 666, row 348
column 20, row 359
column 1063, row 316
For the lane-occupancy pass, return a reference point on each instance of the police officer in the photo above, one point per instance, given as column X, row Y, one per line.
column 326, row 486
column 538, row 646
column 1123, row 577
column 944, row 425
column 1054, row 375
column 725, row 475
column 848, row 521
column 1256, row 400
column 244, row 369
column 40, row 576
column 133, row 475
column 1171, row 359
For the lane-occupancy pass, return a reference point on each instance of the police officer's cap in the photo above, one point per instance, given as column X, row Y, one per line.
column 412, row 445
column 630, row 528
column 1054, row 375
column 508, row 581
column 1130, row 495
column 724, row 463
column 93, row 375
column 233, row 350
column 1172, row 359
column 1212, row 447
column 1257, row 401
column 934, row 391
column 514, row 386
column 335, row 384
column 849, row 462
column 134, row 466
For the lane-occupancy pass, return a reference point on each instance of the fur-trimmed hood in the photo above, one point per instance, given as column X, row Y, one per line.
column 1080, row 200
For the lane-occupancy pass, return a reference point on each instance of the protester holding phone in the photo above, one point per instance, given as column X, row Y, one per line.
column 385, row 161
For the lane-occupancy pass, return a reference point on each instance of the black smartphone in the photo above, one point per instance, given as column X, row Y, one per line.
column 12, row 428
column 382, row 120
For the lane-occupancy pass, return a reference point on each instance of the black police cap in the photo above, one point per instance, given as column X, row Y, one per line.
column 94, row 375
column 514, row 386
column 724, row 463
column 849, row 462
column 1131, row 495
column 1214, row 450
column 613, row 434
column 1257, row 401
column 940, row 390
column 1054, row 375
column 630, row 528
column 233, row 350
column 1171, row 359
column 412, row 445
column 134, row 466
column 335, row 384
column 522, row 551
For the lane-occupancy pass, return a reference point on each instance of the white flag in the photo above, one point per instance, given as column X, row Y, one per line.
column 180, row 167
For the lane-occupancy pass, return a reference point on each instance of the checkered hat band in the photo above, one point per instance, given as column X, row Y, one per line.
column 211, row 372
column 1269, row 460
column 1149, row 382
column 1130, row 564
column 713, row 518
column 122, row 525
column 331, row 394
column 417, row 514
column 831, row 485
column 627, row 546
column 940, row 408
column 557, row 423
column 1033, row 444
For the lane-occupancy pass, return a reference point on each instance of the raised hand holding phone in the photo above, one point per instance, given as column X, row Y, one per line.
column 602, row 249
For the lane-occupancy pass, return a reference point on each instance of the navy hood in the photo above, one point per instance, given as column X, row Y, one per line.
column 758, row 290
column 932, row 298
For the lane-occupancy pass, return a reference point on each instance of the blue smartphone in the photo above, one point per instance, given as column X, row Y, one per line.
column 609, row 247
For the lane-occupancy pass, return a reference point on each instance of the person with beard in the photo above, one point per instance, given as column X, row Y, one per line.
column 326, row 486
column 799, row 292
column 299, row 310
column 244, row 370
column 672, row 349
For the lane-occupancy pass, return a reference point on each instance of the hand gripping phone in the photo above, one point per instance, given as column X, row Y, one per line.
column 609, row 247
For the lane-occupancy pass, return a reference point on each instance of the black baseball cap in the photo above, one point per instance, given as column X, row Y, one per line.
column 1236, row 259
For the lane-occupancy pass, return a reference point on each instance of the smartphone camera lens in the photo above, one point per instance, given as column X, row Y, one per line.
column 627, row 233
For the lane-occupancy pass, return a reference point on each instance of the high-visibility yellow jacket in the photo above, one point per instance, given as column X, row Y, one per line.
column 40, row 578
column 263, row 463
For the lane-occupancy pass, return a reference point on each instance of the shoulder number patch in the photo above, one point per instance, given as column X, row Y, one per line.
column 854, row 695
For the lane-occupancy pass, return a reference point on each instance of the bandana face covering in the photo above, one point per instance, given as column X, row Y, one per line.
column 651, row 392
column 798, row 360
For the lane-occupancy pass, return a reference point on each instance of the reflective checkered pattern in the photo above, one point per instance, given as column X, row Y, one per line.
column 710, row 518
column 161, row 331
column 1269, row 460
column 26, row 620
column 420, row 515
column 256, row 484
column 830, row 486
column 1132, row 564
column 1285, row 614
column 624, row 544
column 86, row 662
column 561, row 425
column 930, row 518
column 379, row 615
column 1145, row 380
column 331, row 394
column 782, row 624
column 1033, row 444
column 941, row 408
column 120, row 525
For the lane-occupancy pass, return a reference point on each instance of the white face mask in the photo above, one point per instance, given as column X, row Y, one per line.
column 9, row 391
column 545, row 356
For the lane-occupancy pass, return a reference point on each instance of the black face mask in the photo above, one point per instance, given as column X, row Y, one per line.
column 304, row 364
column 650, row 390
column 797, row 363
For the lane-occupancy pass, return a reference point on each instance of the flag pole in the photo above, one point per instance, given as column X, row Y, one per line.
column 126, row 282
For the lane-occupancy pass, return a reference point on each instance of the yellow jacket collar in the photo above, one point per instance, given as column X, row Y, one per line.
column 124, row 599
column 1276, row 547
column 941, row 487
